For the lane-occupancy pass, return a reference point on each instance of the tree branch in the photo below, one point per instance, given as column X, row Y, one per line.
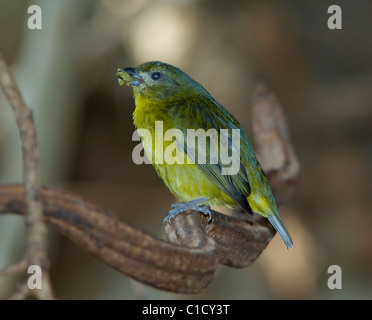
column 187, row 268
column 274, row 149
column 36, row 232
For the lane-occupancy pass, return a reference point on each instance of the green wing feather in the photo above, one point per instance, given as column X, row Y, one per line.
column 236, row 186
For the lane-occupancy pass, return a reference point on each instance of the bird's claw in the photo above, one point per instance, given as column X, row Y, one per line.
column 171, row 214
column 182, row 207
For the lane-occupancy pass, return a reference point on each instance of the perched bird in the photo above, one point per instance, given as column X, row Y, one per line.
column 165, row 94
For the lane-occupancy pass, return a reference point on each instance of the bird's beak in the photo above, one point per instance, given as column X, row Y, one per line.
column 129, row 76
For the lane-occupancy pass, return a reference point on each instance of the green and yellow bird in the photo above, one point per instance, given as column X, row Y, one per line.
column 164, row 93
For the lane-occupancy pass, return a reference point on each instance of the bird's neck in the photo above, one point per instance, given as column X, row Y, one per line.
column 148, row 111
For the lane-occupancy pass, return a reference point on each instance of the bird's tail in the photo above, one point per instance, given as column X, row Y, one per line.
column 279, row 226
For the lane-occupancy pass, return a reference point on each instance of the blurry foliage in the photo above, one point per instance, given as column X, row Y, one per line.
column 323, row 79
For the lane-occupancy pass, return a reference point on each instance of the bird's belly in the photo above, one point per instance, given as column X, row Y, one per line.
column 188, row 182
column 185, row 180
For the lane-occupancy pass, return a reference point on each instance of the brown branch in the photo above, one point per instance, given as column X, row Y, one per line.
column 36, row 231
column 188, row 261
column 274, row 149
column 186, row 268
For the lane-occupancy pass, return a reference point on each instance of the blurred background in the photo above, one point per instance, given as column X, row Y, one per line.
column 322, row 77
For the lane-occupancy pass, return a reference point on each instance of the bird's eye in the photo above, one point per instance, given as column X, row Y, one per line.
column 155, row 76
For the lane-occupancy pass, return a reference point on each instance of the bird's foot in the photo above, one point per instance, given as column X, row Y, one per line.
column 184, row 206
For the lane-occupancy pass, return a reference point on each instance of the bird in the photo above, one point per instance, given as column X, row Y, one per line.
column 166, row 98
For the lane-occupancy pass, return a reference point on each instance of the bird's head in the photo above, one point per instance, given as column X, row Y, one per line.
column 156, row 80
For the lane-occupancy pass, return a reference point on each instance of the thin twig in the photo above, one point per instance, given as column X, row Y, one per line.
column 36, row 231
column 21, row 292
column 18, row 267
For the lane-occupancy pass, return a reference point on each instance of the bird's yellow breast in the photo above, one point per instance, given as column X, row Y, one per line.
column 184, row 179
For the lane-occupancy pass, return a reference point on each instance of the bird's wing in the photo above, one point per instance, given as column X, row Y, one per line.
column 222, row 145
